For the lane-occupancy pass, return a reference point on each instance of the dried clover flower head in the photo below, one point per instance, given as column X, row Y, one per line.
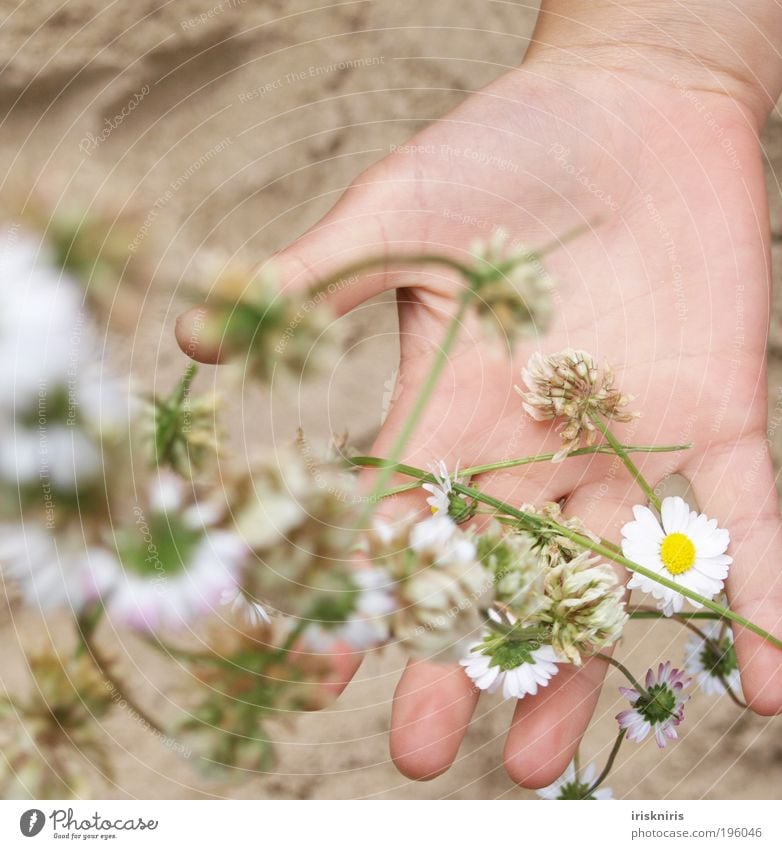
column 251, row 321
column 294, row 512
column 585, row 610
column 556, row 545
column 517, row 564
column 569, row 386
column 439, row 583
column 512, row 287
column 50, row 757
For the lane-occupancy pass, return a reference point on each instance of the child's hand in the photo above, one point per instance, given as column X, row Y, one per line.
column 670, row 285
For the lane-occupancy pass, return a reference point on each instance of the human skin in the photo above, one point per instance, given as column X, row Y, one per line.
column 639, row 121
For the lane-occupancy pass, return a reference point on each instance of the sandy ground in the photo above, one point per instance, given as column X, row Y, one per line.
column 259, row 147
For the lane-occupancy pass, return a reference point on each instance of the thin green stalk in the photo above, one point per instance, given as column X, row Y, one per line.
column 609, row 763
column 117, row 686
column 417, row 411
column 648, row 613
column 539, row 458
column 622, row 668
column 625, row 458
column 532, row 522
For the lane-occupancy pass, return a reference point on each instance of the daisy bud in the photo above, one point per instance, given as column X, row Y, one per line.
column 658, row 707
column 568, row 386
column 586, row 611
column 513, row 289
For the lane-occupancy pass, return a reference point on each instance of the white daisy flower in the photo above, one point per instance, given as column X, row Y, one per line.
column 712, row 662
column 658, row 707
column 517, row 663
column 440, row 492
column 572, row 786
column 687, row 548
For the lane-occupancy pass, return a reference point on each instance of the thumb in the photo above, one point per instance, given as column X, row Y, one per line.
column 359, row 226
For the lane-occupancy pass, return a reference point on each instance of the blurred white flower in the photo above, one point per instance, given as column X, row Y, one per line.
column 40, row 319
column 175, row 564
column 54, row 572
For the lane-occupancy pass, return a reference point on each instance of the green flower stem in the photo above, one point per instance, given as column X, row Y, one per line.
column 410, row 424
column 649, row 613
column 625, row 458
column 86, row 632
column 622, row 668
column 383, row 263
column 538, row 523
column 541, row 458
column 609, row 763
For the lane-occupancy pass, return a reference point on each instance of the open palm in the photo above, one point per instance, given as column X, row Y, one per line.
column 668, row 282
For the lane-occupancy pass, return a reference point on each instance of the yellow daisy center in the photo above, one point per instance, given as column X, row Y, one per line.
column 678, row 553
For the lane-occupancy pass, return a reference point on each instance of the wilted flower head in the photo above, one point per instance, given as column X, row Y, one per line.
column 553, row 544
column 569, row 386
column 657, row 707
column 513, row 289
column 585, row 608
column 58, row 746
column 438, row 581
column 252, row 322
